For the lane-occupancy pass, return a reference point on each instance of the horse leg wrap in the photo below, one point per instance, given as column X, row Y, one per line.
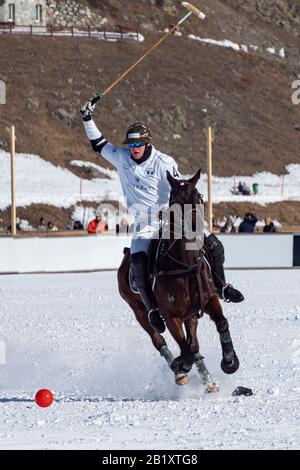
column 230, row 362
column 166, row 353
column 201, row 368
column 227, row 346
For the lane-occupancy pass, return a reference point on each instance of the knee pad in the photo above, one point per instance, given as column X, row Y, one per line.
column 216, row 248
column 139, row 268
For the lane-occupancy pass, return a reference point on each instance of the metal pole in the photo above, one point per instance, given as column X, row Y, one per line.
column 209, row 178
column 13, row 181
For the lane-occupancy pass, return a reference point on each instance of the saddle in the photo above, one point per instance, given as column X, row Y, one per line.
column 157, row 249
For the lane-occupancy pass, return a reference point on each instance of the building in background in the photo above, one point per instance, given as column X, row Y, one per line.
column 23, row 12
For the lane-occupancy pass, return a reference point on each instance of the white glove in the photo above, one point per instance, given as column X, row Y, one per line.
column 87, row 110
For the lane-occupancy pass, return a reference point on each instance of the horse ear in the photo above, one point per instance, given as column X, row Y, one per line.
column 194, row 180
column 172, row 181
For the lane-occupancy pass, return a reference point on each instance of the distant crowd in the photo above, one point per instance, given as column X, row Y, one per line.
column 100, row 224
column 232, row 224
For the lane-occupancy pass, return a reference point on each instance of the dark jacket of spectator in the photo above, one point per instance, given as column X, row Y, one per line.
column 77, row 225
column 248, row 224
column 269, row 227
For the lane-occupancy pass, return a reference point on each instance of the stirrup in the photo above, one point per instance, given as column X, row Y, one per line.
column 222, row 293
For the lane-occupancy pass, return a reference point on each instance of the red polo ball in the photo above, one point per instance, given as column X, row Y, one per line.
column 44, row 398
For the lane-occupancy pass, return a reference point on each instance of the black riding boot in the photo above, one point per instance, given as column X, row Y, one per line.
column 139, row 269
column 216, row 253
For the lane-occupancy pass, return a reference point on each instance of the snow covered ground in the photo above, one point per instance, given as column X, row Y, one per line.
column 40, row 182
column 73, row 334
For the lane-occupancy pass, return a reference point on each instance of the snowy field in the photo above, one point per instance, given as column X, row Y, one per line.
column 73, row 334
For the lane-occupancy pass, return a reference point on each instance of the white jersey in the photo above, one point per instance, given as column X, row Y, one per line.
column 143, row 184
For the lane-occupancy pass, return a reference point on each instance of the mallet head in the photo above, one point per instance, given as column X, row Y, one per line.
column 194, row 10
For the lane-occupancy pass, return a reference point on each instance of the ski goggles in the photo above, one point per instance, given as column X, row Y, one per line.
column 136, row 144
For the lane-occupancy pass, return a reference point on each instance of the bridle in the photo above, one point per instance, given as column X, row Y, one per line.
column 183, row 268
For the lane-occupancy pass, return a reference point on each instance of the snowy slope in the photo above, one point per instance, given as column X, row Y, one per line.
column 72, row 333
column 38, row 181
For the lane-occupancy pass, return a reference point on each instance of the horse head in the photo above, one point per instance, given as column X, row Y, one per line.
column 186, row 205
column 185, row 191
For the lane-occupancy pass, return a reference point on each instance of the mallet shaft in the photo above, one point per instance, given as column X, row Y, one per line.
column 192, row 10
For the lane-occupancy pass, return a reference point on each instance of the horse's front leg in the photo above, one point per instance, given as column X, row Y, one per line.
column 191, row 331
column 230, row 362
column 183, row 363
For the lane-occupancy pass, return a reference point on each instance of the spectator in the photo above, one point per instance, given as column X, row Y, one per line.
column 248, row 224
column 51, row 227
column 77, row 225
column 240, row 187
column 269, row 226
column 246, row 191
column 215, row 225
column 18, row 225
column 255, row 188
column 42, row 225
column 98, row 225
column 123, row 226
column 228, row 227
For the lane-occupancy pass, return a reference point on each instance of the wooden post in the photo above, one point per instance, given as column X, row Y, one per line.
column 13, row 181
column 282, row 185
column 81, row 186
column 209, row 177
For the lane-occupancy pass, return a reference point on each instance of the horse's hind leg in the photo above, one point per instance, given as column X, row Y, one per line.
column 140, row 312
column 158, row 340
column 230, row 362
column 191, row 332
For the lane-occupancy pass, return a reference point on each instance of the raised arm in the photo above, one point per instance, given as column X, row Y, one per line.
column 95, row 136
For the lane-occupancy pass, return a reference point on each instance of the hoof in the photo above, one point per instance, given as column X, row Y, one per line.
column 180, row 366
column 230, row 367
column 212, row 388
column 181, row 379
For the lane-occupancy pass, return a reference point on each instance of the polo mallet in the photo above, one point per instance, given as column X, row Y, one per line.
column 192, row 10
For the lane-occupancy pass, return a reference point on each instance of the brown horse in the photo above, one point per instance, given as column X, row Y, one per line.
column 184, row 290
